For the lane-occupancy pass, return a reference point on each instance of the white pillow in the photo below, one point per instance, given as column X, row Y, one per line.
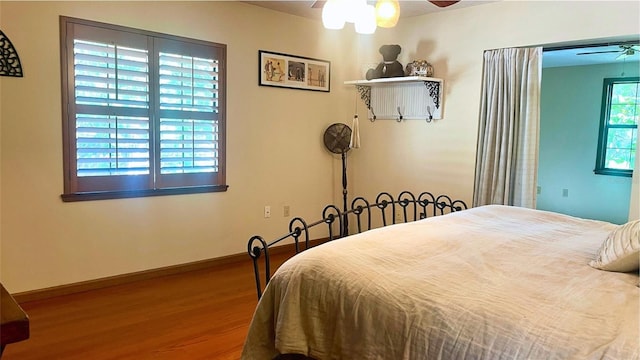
column 621, row 250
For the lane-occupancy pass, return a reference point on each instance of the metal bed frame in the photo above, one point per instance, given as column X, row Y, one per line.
column 412, row 208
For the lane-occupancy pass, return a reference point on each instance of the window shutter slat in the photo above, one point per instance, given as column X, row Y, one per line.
column 112, row 145
column 113, row 110
column 188, row 82
column 109, row 76
column 188, row 86
column 188, row 146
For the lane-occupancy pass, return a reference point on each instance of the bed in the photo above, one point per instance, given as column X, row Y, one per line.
column 491, row 282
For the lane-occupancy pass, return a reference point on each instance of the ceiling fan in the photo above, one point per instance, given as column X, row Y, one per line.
column 365, row 16
column 320, row 3
column 443, row 4
column 624, row 51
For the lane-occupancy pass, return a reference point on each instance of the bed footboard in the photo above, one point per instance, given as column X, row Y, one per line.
column 384, row 211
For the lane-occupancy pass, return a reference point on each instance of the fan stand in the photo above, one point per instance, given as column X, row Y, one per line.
column 336, row 139
column 345, row 220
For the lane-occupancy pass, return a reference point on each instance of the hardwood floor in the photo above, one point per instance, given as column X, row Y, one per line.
column 203, row 314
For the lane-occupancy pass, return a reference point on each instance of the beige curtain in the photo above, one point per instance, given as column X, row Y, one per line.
column 507, row 155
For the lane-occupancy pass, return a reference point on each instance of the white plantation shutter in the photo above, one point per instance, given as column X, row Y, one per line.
column 112, row 102
column 112, row 145
column 142, row 112
column 188, row 114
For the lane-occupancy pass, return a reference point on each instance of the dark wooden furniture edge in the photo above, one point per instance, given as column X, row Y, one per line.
column 14, row 322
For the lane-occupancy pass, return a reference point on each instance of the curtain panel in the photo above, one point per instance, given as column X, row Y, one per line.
column 508, row 134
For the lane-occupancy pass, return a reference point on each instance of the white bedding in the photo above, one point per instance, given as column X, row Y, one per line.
column 492, row 282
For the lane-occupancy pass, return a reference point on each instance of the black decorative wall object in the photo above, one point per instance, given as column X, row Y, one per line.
column 434, row 91
column 9, row 59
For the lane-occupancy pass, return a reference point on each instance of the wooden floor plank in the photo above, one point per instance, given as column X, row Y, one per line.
column 203, row 314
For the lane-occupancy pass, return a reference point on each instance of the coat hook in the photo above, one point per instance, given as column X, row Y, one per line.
column 372, row 117
column 399, row 113
column 430, row 118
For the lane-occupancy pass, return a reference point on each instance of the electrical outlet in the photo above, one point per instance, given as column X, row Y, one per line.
column 539, row 190
column 286, row 211
column 565, row 192
column 267, row 211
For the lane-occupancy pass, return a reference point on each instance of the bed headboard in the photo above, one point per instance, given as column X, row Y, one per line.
column 336, row 222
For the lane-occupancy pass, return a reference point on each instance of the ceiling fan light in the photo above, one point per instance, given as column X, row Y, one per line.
column 366, row 20
column 352, row 9
column 333, row 16
column 387, row 13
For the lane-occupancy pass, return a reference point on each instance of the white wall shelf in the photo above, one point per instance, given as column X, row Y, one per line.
column 401, row 98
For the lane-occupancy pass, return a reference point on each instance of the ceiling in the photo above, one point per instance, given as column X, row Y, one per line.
column 575, row 56
column 553, row 57
column 407, row 7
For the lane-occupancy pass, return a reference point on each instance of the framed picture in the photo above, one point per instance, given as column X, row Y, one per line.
column 296, row 72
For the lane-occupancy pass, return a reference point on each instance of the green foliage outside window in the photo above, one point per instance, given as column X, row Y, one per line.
column 620, row 115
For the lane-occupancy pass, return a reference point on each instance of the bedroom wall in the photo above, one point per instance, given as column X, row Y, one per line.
column 273, row 135
column 569, row 124
column 275, row 154
column 440, row 156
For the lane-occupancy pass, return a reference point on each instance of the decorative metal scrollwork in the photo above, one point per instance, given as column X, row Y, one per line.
column 434, row 92
column 410, row 209
column 9, row 60
column 365, row 94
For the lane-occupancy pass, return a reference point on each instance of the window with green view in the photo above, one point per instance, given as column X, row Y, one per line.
column 618, row 126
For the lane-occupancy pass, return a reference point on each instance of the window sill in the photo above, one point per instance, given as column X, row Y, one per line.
column 613, row 172
column 106, row 195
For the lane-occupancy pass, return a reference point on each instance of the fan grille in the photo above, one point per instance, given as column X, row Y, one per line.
column 337, row 138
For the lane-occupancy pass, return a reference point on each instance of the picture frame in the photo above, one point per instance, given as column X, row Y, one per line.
column 294, row 72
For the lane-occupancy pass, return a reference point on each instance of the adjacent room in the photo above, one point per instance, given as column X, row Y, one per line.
column 144, row 143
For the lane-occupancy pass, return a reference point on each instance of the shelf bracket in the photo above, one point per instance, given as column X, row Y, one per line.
column 434, row 92
column 365, row 94
column 417, row 97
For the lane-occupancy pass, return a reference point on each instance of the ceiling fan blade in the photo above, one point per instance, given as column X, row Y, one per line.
column 599, row 52
column 442, row 4
column 626, row 54
column 318, row 4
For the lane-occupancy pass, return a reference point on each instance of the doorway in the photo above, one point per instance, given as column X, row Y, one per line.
column 570, row 112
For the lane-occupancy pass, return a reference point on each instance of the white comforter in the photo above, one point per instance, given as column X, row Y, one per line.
column 492, row 282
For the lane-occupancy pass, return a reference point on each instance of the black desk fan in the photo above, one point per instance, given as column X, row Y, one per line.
column 337, row 138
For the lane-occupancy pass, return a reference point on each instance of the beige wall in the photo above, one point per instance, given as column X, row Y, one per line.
column 441, row 155
column 275, row 154
column 273, row 135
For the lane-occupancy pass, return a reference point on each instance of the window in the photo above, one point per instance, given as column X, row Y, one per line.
column 618, row 137
column 143, row 113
